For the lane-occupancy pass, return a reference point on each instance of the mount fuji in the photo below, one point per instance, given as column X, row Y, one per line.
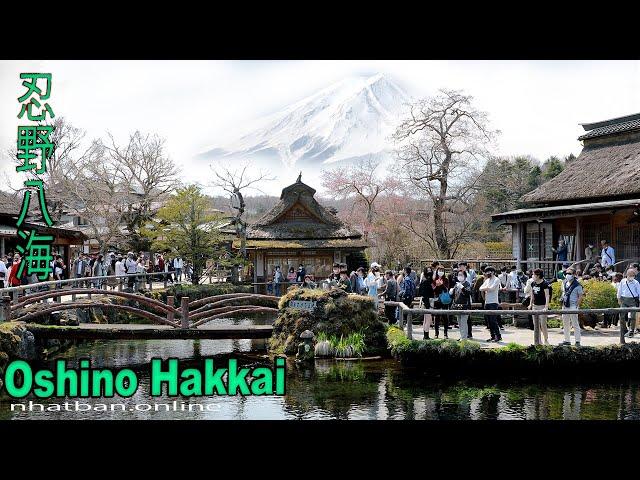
column 346, row 121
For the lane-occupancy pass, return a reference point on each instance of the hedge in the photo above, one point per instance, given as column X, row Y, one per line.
column 468, row 358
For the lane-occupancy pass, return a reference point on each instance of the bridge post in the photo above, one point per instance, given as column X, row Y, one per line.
column 119, row 284
column 185, row 312
column 150, row 278
column 73, row 295
column 165, row 281
column 409, row 326
column 5, row 308
column 170, row 315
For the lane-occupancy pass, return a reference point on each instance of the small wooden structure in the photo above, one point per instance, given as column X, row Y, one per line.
column 596, row 197
column 298, row 230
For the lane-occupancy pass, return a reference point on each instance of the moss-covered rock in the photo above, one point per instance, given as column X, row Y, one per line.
column 336, row 313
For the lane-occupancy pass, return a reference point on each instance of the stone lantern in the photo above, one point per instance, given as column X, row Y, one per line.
column 305, row 347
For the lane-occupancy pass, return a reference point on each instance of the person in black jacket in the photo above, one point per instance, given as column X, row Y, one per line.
column 461, row 293
column 441, row 285
column 425, row 290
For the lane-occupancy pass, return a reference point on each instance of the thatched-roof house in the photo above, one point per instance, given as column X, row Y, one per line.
column 298, row 230
column 596, row 197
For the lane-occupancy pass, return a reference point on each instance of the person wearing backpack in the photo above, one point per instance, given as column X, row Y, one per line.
column 607, row 255
column 461, row 293
column 572, row 294
column 442, row 300
column 628, row 296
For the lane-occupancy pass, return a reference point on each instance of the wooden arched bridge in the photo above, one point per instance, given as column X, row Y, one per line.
column 189, row 320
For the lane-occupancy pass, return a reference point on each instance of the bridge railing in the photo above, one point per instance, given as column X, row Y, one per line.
column 408, row 313
column 101, row 282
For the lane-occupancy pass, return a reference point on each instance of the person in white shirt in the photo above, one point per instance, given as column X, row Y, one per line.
column 628, row 296
column 130, row 267
column 491, row 286
column 607, row 255
column 119, row 272
column 177, row 265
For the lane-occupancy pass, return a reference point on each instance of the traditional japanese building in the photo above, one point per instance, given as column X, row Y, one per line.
column 298, row 230
column 596, row 197
column 66, row 240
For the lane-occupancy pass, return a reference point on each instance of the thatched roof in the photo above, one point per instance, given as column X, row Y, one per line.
column 298, row 215
column 299, row 244
column 9, row 203
column 606, row 169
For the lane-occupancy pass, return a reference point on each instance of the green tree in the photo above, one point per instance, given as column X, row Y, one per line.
column 186, row 225
column 552, row 167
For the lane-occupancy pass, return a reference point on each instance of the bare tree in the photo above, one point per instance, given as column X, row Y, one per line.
column 235, row 182
column 114, row 189
column 440, row 145
column 361, row 182
column 147, row 174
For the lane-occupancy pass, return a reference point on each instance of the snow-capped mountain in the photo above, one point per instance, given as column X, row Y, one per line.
column 345, row 121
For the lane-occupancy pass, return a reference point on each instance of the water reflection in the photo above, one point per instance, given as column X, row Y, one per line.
column 340, row 390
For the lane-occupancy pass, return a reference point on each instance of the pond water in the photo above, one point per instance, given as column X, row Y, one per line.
column 332, row 390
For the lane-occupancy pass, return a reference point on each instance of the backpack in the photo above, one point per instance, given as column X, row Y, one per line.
column 409, row 292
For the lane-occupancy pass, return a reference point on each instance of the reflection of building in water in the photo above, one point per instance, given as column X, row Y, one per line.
column 298, row 230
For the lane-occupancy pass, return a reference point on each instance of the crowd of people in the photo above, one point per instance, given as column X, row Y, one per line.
column 459, row 287
column 174, row 269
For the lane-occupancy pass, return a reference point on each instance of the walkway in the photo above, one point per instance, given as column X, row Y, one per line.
column 524, row 336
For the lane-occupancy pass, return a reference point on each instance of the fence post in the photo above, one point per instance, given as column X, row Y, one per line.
column 409, row 326
column 150, row 278
column 5, row 308
column 119, row 280
column 184, row 301
column 165, row 280
column 170, row 314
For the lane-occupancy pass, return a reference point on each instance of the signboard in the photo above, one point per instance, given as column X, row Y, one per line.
column 302, row 304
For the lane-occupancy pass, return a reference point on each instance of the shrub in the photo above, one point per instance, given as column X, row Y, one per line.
column 597, row 294
column 464, row 358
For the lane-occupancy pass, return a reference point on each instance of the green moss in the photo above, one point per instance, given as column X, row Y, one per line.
column 336, row 314
column 452, row 357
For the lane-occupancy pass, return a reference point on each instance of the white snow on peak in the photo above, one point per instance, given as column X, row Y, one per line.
column 351, row 118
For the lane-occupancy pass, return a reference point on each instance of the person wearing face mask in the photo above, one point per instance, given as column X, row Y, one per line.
column 461, row 293
column 440, row 285
column 628, row 296
column 425, row 291
column 572, row 294
column 540, row 298
column 491, row 287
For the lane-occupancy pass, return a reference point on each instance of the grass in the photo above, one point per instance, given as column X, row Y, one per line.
column 468, row 358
